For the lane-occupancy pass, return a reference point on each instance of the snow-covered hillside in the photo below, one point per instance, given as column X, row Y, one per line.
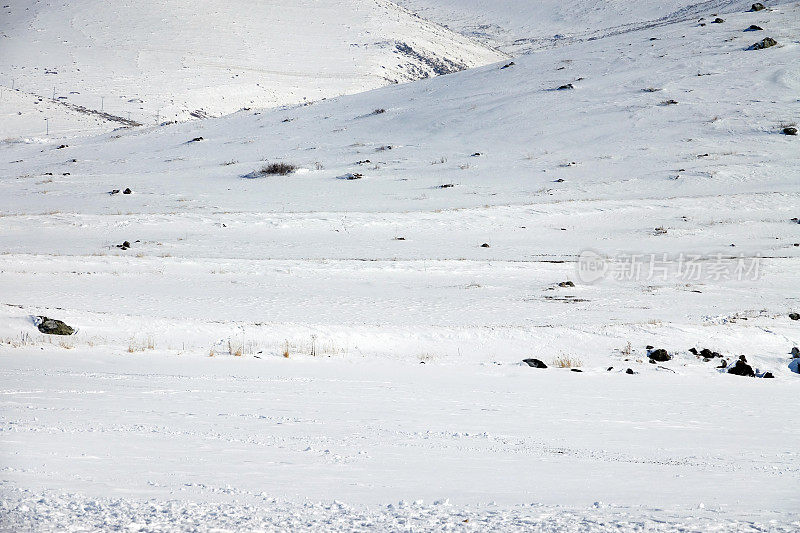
column 300, row 351
column 157, row 61
column 520, row 26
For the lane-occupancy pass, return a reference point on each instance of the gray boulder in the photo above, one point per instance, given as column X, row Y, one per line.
column 51, row 326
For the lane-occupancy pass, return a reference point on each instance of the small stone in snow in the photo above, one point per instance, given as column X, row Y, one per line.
column 534, row 363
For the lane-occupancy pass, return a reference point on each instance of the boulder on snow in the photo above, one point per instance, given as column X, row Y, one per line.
column 705, row 352
column 795, row 352
column 758, row 6
column 718, row 21
column 534, row 363
column 754, row 27
column 768, row 375
column 350, row 176
column 630, row 371
column 794, row 316
column 51, row 326
column 566, row 284
column 790, row 130
column 741, row 368
column 766, row 42
column 659, row 355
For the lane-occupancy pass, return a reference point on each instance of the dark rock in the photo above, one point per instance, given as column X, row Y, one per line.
column 566, row 284
column 566, row 87
column 795, row 352
column 693, row 350
column 115, row 191
column 609, row 369
column 477, row 154
column 790, row 130
column 507, row 65
column 447, row 186
column 742, row 369
column 534, row 363
column 52, row 326
column 669, row 102
column 62, row 146
column 196, row 140
column 743, row 359
column 124, row 246
column 485, row 245
column 630, row 371
column 718, row 21
column 794, row 316
column 649, row 347
column 753, row 27
column 758, row 6
column 659, row 355
column 723, row 364
column 768, row 375
column 708, row 354
column 127, row 191
column 575, row 370
column 766, row 42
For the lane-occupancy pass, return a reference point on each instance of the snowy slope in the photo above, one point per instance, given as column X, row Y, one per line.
column 520, row 26
column 147, row 416
column 155, row 61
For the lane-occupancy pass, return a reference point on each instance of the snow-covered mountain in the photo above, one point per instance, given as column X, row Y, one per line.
column 520, row 26
column 152, row 61
column 297, row 350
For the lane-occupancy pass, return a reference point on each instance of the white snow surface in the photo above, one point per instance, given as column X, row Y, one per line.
column 403, row 403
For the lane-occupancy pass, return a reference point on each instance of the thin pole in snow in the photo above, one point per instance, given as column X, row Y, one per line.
column 101, row 102
column 47, row 126
column 54, row 93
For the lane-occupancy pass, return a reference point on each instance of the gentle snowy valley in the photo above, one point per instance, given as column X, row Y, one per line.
column 337, row 342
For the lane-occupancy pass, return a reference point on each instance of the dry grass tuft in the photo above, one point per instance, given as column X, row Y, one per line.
column 277, row 169
column 567, row 362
